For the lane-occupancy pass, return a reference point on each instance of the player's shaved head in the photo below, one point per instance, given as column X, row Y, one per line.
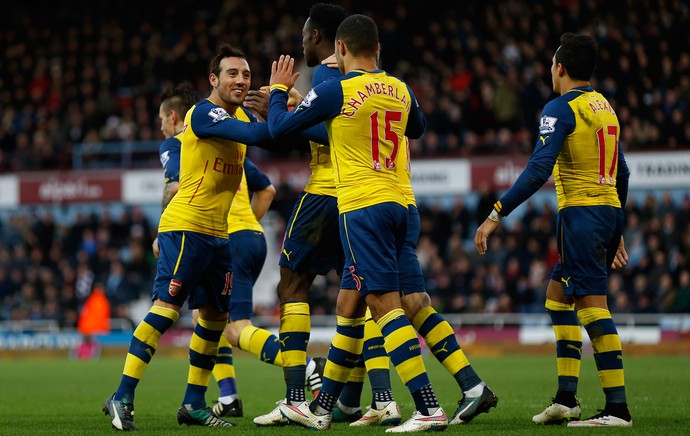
column 360, row 35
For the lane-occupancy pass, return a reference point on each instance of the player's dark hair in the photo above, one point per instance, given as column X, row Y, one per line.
column 578, row 54
column 360, row 34
column 179, row 98
column 326, row 18
column 224, row 51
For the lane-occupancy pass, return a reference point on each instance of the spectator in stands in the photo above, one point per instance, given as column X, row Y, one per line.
column 98, row 75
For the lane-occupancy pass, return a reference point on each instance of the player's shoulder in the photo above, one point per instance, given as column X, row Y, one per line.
column 387, row 74
column 559, row 106
column 204, row 102
column 207, row 111
column 556, row 112
column 243, row 112
column 170, row 144
column 323, row 73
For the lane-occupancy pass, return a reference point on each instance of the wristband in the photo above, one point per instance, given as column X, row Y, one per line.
column 495, row 216
column 279, row 86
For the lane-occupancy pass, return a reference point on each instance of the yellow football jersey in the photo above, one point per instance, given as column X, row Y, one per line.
column 586, row 168
column 367, row 115
column 406, row 175
column 578, row 144
column 241, row 216
column 321, row 181
column 211, row 170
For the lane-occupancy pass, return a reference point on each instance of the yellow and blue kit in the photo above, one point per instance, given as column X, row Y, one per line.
column 312, row 240
column 169, row 154
column 578, row 143
column 247, row 242
column 367, row 116
column 192, row 233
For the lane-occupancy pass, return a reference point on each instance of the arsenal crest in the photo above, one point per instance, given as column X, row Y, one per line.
column 175, row 286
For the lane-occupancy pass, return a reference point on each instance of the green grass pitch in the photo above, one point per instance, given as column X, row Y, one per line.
column 64, row 397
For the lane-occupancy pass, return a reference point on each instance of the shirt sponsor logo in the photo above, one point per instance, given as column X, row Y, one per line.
column 547, row 125
column 174, row 288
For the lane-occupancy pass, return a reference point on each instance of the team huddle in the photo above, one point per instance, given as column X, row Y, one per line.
column 357, row 215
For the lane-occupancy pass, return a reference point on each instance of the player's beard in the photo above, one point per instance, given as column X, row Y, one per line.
column 231, row 97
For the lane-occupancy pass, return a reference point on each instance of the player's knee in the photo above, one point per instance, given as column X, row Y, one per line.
column 210, row 314
column 292, row 295
column 234, row 329
column 294, row 286
column 414, row 302
column 382, row 303
column 349, row 304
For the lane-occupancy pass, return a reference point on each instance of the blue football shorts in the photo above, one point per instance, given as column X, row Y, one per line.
column 248, row 250
column 588, row 237
column 372, row 239
column 409, row 269
column 193, row 266
column 312, row 242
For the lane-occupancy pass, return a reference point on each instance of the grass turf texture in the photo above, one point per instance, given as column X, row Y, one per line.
column 64, row 397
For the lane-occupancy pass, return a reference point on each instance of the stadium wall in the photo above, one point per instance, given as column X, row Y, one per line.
column 433, row 177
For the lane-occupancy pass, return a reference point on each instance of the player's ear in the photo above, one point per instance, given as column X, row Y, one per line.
column 213, row 79
column 340, row 47
column 317, row 36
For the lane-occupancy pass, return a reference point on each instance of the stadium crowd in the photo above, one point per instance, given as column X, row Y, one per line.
column 47, row 270
column 86, row 73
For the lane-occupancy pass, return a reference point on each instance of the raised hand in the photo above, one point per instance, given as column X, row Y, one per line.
column 281, row 72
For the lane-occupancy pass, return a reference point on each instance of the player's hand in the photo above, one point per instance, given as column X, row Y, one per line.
column 482, row 235
column 294, row 97
column 257, row 101
column 156, row 251
column 621, row 257
column 330, row 61
column 281, row 71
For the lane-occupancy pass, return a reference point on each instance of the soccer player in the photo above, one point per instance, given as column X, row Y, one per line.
column 247, row 244
column 578, row 142
column 175, row 102
column 368, row 113
column 194, row 259
column 248, row 251
column 436, row 331
column 311, row 246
